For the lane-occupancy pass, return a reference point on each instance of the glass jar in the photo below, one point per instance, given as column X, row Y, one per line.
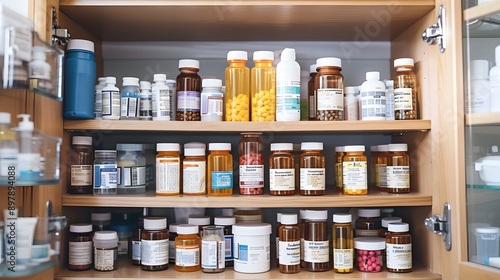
column 398, row 169
column 194, row 171
column 399, row 251
column 154, row 244
column 311, row 97
column 354, row 169
column 220, row 170
column 100, row 221
column 343, row 246
column 132, row 165
column 339, row 154
column 381, row 167
column 368, row 223
column 281, row 169
column 188, row 91
column 263, row 87
column 316, row 242
column 105, row 172
column 212, row 107
column 312, row 169
column 187, row 248
column 385, row 224
column 227, row 223
column 369, row 253
column 289, row 244
column 168, row 173
column 237, row 87
column 199, row 221
column 80, row 247
column 329, row 89
column 405, row 90
column 172, row 228
column 81, row 158
column 105, row 250
column 213, row 249
column 251, row 161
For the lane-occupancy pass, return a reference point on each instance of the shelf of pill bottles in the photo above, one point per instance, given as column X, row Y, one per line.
column 483, row 119
column 128, row 271
column 226, row 21
column 331, row 199
column 301, row 126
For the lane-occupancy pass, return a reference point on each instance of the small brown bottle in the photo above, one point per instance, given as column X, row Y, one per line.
column 316, row 242
column 398, row 244
column 281, row 169
column 81, row 161
column 154, row 244
column 405, row 90
column 188, row 91
column 289, row 249
column 329, row 89
column 398, row 169
column 311, row 100
column 312, row 169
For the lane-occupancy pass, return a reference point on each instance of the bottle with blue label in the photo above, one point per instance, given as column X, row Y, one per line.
column 288, row 87
column 220, row 170
column 105, row 172
column 28, row 159
column 212, row 100
column 79, row 79
column 130, row 99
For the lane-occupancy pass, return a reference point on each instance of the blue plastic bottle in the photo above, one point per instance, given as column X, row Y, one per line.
column 79, row 80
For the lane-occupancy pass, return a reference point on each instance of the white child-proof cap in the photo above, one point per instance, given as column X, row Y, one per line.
column 311, row 146
column 339, row 149
column 263, row 55
column 224, row 220
column 189, row 152
column 251, row 229
column 398, row 147
column 281, row 147
column 168, row 147
column 369, row 213
column 354, row 148
column 144, row 85
column 373, row 76
column 398, row 227
column 79, row 44
column 111, row 80
column 389, row 220
column 82, row 140
column 237, row 55
column 187, row 229
column 80, row 228
column 312, row 68
column 400, row 62
column 211, row 83
column 316, row 215
column 219, row 146
column 189, row 63
column 383, row 148
column 369, row 243
column 329, row 61
column 130, row 81
column 288, row 219
column 342, row 218
column 155, row 223
column 199, row 220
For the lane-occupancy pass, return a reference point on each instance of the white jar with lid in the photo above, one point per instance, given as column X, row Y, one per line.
column 212, row 100
column 132, row 168
column 105, row 250
column 252, row 239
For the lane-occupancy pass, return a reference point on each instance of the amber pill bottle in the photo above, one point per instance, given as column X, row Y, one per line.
column 80, row 247
column 154, row 244
column 398, row 169
column 281, row 169
column 289, row 249
column 316, row 242
column 312, row 169
column 187, row 248
column 343, row 243
column 398, row 248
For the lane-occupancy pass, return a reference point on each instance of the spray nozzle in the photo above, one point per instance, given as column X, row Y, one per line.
column 25, row 124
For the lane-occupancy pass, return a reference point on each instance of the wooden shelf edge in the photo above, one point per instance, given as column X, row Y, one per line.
column 482, row 119
column 149, row 199
column 481, row 11
column 302, row 126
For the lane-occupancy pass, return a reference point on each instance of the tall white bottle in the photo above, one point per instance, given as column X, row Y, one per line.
column 495, row 83
column 98, row 97
column 351, row 104
column 479, row 96
column 28, row 159
column 111, row 102
column 389, row 100
column 162, row 101
column 9, row 148
column 288, row 87
column 373, row 98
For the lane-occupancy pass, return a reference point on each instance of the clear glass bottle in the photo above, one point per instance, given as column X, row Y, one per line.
column 398, row 169
column 316, row 241
column 154, row 244
column 312, row 169
column 368, row 223
column 194, row 171
column 81, row 159
column 168, row 169
column 339, row 154
column 343, row 243
column 227, row 223
column 289, row 246
column 370, row 253
column 251, row 161
column 281, row 169
column 132, row 165
column 220, row 170
column 329, row 89
column 187, row 248
column 213, row 249
column 212, row 100
column 399, row 249
column 263, row 87
column 188, row 90
column 80, row 247
column 354, row 170
column 105, row 172
column 405, row 90
column 237, row 87
column 311, row 100
column 129, row 97
column 381, row 167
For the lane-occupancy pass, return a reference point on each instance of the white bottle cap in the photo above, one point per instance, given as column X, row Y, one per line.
column 193, row 151
column 374, row 148
column 400, row 62
column 488, row 230
column 195, row 145
column 263, row 55
column 101, row 80
column 103, row 235
column 129, row 147
column 100, row 216
column 39, row 53
column 312, row 69
column 168, row 147
column 79, row 44
column 373, row 76
column 187, row 229
column 211, row 83
column 316, row 215
column 237, row 55
column 398, row 147
column 342, row 218
column 248, row 229
column 25, row 124
column 80, row 228
column 383, row 148
column 4, row 118
column 219, row 146
column 288, row 54
column 288, row 219
column 311, row 146
column 171, row 82
column 369, row 213
column 111, row 80
column 145, row 85
column 278, row 217
column 281, row 147
column 329, row 61
column 369, row 243
column 389, row 220
column 224, row 220
column 389, row 83
column 339, row 149
column 302, row 214
column 355, row 148
column 479, row 69
column 172, row 228
column 130, row 81
column 351, row 90
column 398, row 227
column 199, row 220
column 159, row 77
column 155, row 223
column 82, row 140
column 189, row 63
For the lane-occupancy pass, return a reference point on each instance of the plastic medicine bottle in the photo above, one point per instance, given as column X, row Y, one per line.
column 111, row 100
column 194, row 171
column 105, row 172
column 237, row 87
column 263, row 87
column 187, row 248
column 405, row 90
column 132, row 165
column 343, row 243
column 220, row 169
column 81, row 161
column 105, row 250
column 80, row 247
column 161, row 99
column 129, row 99
column 154, row 244
column 398, row 169
column 312, row 169
column 316, row 242
column 188, row 90
column 145, row 101
column 339, row 154
column 288, row 87
column 212, row 99
column 389, row 100
column 354, row 169
column 373, row 98
column 351, row 104
column 101, row 83
column 168, row 169
column 281, row 169
column 329, row 89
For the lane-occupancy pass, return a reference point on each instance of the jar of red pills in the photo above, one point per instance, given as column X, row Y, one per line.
column 251, row 150
column 370, row 253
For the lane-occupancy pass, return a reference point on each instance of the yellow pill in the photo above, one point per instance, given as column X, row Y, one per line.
column 359, row 191
column 270, row 118
column 340, row 270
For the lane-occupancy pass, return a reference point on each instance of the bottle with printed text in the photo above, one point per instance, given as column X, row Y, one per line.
column 130, row 94
column 188, row 91
column 405, row 90
column 212, row 99
column 288, row 87
column 329, row 89
column 373, row 98
column 145, row 100
column 289, row 244
column 162, row 100
column 111, row 100
column 343, row 243
column 105, row 172
column 101, row 83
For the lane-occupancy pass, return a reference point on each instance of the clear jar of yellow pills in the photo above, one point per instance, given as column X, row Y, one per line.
column 263, row 87
column 237, row 87
column 354, row 171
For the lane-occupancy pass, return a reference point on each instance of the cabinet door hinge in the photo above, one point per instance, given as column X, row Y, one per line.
column 60, row 35
column 441, row 225
column 436, row 34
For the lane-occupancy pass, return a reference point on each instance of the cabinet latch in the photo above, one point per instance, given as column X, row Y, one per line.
column 60, row 35
column 441, row 225
column 436, row 34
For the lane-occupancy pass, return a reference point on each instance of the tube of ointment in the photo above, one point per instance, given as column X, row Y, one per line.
column 24, row 238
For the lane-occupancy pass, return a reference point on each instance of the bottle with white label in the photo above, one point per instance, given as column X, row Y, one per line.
column 312, row 169
column 168, row 169
column 495, row 83
column 145, row 100
column 289, row 246
column 398, row 248
column 28, row 158
column 9, row 148
column 105, row 172
column 389, row 100
column 316, row 241
column 350, row 104
column 212, row 100
column 354, row 170
column 343, row 243
column 398, row 169
column 405, row 90
column 329, row 89
column 111, row 101
column 129, row 97
column 373, row 98
column 288, row 87
column 162, row 99
column 132, row 168
column 81, row 160
column 101, row 83
column 187, row 248
column 172, row 89
column 479, row 87
column 80, row 247
column 154, row 244
column 213, row 249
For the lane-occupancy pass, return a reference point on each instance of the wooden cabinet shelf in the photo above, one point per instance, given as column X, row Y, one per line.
column 149, row 199
column 481, row 11
column 486, row 119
